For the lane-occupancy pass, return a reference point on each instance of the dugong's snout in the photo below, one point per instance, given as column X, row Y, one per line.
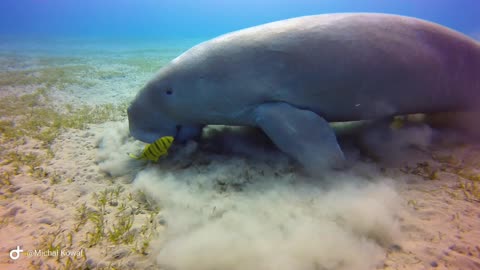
column 148, row 126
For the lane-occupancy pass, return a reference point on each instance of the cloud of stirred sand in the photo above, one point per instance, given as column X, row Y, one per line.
column 114, row 144
column 235, row 206
column 273, row 222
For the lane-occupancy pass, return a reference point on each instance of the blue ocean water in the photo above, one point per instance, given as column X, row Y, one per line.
column 190, row 19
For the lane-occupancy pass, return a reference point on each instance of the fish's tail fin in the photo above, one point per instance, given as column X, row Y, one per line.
column 133, row 156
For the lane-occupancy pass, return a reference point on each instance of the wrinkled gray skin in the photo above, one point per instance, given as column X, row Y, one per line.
column 292, row 77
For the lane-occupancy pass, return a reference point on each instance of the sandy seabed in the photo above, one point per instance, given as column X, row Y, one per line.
column 409, row 200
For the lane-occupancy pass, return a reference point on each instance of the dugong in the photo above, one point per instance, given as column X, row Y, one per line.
column 291, row 78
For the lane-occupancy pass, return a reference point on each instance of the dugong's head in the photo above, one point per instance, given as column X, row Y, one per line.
column 161, row 107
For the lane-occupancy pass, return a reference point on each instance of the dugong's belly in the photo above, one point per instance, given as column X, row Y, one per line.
column 347, row 66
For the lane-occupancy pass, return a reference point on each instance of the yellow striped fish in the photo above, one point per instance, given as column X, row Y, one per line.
column 155, row 150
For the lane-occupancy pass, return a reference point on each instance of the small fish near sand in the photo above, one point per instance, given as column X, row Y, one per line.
column 154, row 151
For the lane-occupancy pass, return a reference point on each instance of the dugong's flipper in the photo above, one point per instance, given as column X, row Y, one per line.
column 302, row 134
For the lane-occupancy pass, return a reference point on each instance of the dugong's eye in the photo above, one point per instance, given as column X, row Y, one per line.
column 168, row 91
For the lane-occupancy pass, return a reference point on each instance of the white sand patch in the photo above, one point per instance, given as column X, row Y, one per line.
column 35, row 210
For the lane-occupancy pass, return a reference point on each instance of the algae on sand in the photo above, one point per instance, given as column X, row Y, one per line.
column 34, row 116
column 58, row 77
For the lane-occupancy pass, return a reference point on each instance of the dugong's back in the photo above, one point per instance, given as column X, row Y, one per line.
column 350, row 66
